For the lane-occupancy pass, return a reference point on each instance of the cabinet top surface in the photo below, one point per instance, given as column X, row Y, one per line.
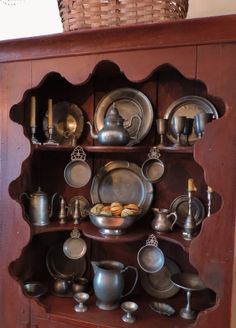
column 198, row 31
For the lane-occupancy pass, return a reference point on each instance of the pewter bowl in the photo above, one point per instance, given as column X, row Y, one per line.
column 162, row 308
column 112, row 225
column 35, row 288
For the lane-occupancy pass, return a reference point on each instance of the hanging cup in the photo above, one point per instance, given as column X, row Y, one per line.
column 153, row 168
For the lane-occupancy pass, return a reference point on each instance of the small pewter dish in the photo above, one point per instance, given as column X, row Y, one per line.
column 35, row 288
column 162, row 308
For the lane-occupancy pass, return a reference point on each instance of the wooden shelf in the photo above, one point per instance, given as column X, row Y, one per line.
column 52, row 227
column 63, row 309
column 115, row 149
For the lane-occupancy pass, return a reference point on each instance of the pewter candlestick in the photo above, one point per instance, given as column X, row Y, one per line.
column 76, row 214
column 50, row 140
column 189, row 224
column 209, row 200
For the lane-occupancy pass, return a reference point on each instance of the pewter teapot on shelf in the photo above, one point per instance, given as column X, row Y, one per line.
column 113, row 133
column 39, row 209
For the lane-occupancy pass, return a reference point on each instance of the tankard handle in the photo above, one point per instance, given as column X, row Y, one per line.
column 135, row 281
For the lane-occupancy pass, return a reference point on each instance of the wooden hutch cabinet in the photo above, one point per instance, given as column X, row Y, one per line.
column 165, row 62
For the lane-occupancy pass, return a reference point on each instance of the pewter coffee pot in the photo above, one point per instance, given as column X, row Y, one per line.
column 113, row 133
column 108, row 283
column 39, row 209
column 162, row 221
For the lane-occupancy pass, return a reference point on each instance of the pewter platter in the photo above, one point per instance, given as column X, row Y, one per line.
column 180, row 206
column 159, row 284
column 135, row 108
column 188, row 106
column 67, row 118
column 60, row 266
column 121, row 181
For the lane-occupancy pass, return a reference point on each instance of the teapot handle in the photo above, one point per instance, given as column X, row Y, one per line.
column 135, row 281
column 175, row 219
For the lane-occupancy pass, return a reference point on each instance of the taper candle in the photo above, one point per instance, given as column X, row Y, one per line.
column 191, row 185
column 33, row 112
column 50, row 115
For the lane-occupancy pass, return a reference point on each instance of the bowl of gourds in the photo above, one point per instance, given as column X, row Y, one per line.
column 115, row 218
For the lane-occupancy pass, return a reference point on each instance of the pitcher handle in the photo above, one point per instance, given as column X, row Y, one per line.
column 135, row 281
column 176, row 218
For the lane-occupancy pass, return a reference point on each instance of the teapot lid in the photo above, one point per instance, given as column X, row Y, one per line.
column 113, row 115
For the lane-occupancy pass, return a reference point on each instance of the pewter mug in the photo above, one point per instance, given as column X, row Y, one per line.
column 39, row 209
column 113, row 133
column 162, row 221
column 108, row 283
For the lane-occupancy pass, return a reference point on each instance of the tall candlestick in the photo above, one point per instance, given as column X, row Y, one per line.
column 50, row 114
column 33, row 112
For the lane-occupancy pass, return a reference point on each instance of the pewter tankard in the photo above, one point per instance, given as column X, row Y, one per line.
column 39, row 209
column 108, row 283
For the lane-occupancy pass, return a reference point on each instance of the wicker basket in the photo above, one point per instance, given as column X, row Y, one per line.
column 80, row 14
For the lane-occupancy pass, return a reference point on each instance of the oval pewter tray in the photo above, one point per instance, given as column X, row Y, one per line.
column 180, row 206
column 121, row 181
column 135, row 108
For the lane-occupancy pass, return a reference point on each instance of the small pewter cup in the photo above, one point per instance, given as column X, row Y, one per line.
column 81, row 298
column 178, row 124
column 200, row 121
column 188, row 127
column 129, row 308
column 162, row 125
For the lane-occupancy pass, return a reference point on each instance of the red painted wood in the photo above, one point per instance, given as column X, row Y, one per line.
column 161, row 60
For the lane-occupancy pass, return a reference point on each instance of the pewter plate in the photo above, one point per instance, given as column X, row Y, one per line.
column 159, row 284
column 67, row 118
column 133, row 106
column 121, row 181
column 188, row 106
column 180, row 206
column 60, row 266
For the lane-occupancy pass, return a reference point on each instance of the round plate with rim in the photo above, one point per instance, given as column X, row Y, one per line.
column 67, row 119
column 135, row 108
column 188, row 106
column 180, row 206
column 60, row 266
column 159, row 284
column 121, row 181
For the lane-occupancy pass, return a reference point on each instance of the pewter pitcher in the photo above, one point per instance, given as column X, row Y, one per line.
column 39, row 209
column 162, row 221
column 108, row 283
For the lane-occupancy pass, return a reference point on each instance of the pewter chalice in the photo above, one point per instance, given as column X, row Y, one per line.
column 129, row 308
column 178, row 124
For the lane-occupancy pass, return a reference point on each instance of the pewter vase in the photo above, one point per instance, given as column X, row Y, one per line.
column 108, row 283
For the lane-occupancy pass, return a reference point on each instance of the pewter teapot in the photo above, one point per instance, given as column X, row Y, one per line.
column 108, row 283
column 39, row 209
column 113, row 133
column 162, row 221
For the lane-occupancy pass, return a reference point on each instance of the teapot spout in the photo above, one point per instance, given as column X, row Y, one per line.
column 95, row 266
column 93, row 135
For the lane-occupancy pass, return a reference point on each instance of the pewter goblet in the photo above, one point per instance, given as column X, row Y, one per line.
column 188, row 127
column 178, row 123
column 200, row 121
column 81, row 298
column 162, row 124
column 129, row 308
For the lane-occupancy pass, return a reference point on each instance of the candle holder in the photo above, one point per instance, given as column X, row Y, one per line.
column 209, row 202
column 189, row 224
column 34, row 140
column 50, row 140
column 76, row 214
